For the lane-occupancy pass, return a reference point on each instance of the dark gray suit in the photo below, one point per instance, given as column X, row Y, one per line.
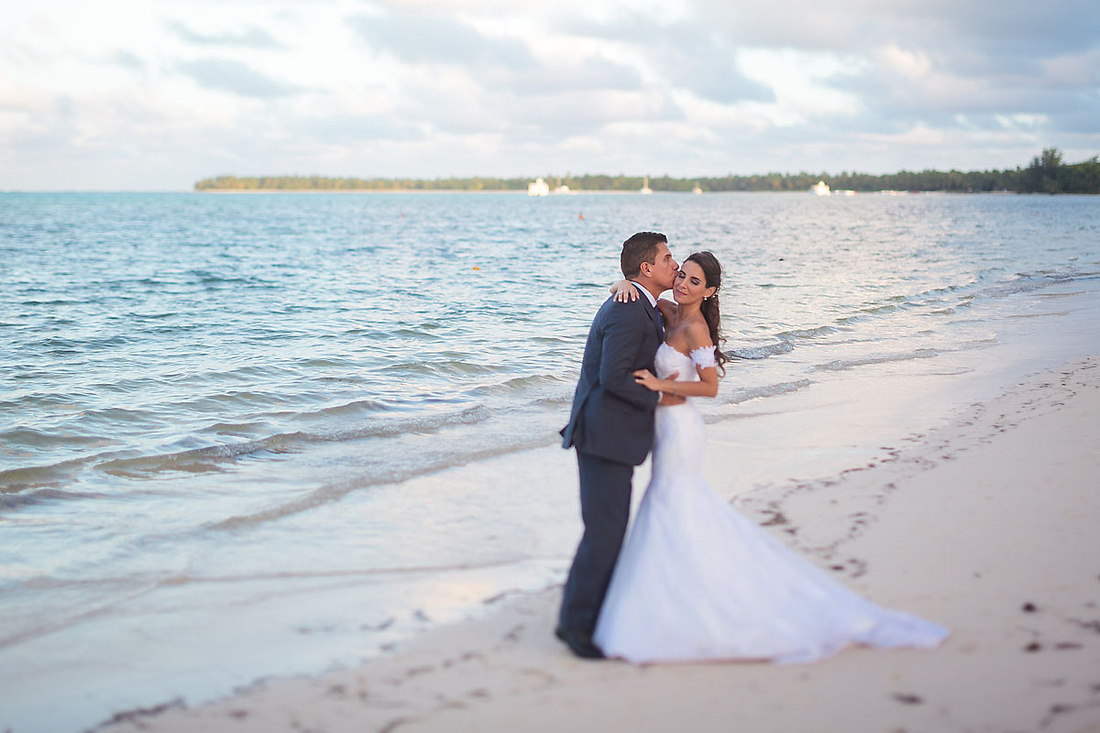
column 611, row 426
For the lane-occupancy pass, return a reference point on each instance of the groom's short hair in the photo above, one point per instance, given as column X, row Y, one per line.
column 639, row 248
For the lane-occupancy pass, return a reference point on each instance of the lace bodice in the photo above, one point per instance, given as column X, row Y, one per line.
column 670, row 360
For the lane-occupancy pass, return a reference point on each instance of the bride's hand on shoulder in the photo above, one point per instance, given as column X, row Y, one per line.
column 623, row 292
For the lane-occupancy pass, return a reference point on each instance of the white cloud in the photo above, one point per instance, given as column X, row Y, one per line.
column 920, row 135
column 126, row 93
column 236, row 77
column 588, row 144
column 803, row 83
column 909, row 64
column 1073, row 71
column 253, row 37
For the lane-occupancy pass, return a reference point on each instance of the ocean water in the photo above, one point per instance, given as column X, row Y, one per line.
column 223, row 417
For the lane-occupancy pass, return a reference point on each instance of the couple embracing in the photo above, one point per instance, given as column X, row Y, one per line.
column 694, row 580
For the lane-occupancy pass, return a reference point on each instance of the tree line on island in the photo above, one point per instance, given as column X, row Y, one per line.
column 1047, row 173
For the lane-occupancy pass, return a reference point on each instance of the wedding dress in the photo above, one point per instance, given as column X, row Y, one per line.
column 698, row 581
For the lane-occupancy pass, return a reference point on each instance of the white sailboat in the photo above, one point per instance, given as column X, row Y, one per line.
column 538, row 187
column 645, row 186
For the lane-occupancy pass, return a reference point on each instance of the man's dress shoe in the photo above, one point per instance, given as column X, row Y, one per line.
column 582, row 646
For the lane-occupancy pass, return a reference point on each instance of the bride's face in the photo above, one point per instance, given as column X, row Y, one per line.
column 691, row 284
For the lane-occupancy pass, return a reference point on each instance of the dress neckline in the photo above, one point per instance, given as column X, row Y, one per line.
column 670, row 346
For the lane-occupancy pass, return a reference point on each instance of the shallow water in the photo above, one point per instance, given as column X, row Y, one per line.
column 218, row 413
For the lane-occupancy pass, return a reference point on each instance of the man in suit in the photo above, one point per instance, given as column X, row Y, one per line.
column 611, row 428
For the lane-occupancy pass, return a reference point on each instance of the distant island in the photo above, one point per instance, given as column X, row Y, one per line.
column 1046, row 173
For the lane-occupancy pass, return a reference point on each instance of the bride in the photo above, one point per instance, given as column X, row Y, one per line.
column 695, row 579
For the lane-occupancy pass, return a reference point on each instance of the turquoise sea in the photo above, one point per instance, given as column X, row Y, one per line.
column 220, row 414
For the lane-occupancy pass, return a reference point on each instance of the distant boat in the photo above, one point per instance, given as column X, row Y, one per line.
column 645, row 186
column 820, row 189
column 538, row 187
column 561, row 188
column 696, row 190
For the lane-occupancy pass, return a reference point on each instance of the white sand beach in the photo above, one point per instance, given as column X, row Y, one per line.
column 986, row 525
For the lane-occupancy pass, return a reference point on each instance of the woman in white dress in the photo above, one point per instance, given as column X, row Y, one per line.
column 695, row 579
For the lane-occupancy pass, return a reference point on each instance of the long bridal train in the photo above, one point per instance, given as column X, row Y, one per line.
column 698, row 581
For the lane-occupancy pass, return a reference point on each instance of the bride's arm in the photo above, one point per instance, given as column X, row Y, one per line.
column 698, row 338
column 622, row 291
column 707, row 386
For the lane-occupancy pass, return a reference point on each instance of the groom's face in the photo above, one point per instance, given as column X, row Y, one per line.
column 664, row 267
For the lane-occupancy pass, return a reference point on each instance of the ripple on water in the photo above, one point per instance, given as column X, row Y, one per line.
column 231, row 360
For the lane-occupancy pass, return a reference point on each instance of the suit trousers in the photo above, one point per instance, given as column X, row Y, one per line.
column 605, row 509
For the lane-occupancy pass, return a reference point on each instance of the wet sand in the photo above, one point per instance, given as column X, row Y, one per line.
column 987, row 526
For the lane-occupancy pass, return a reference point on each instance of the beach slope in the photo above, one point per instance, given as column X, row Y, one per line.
column 987, row 526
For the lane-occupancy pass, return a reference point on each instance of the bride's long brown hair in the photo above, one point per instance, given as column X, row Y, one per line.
column 712, row 271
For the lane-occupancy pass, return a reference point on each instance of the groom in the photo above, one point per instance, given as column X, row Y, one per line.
column 611, row 427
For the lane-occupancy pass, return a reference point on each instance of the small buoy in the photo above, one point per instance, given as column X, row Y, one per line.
column 581, row 217
column 476, row 267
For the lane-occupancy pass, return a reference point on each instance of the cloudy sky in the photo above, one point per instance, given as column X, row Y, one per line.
column 135, row 94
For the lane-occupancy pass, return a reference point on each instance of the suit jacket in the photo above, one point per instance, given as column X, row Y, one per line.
column 612, row 415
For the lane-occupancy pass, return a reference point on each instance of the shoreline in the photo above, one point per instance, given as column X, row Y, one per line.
column 985, row 525
column 586, row 192
column 577, row 192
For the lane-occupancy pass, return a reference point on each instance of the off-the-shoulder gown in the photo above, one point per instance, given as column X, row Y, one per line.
column 698, row 581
